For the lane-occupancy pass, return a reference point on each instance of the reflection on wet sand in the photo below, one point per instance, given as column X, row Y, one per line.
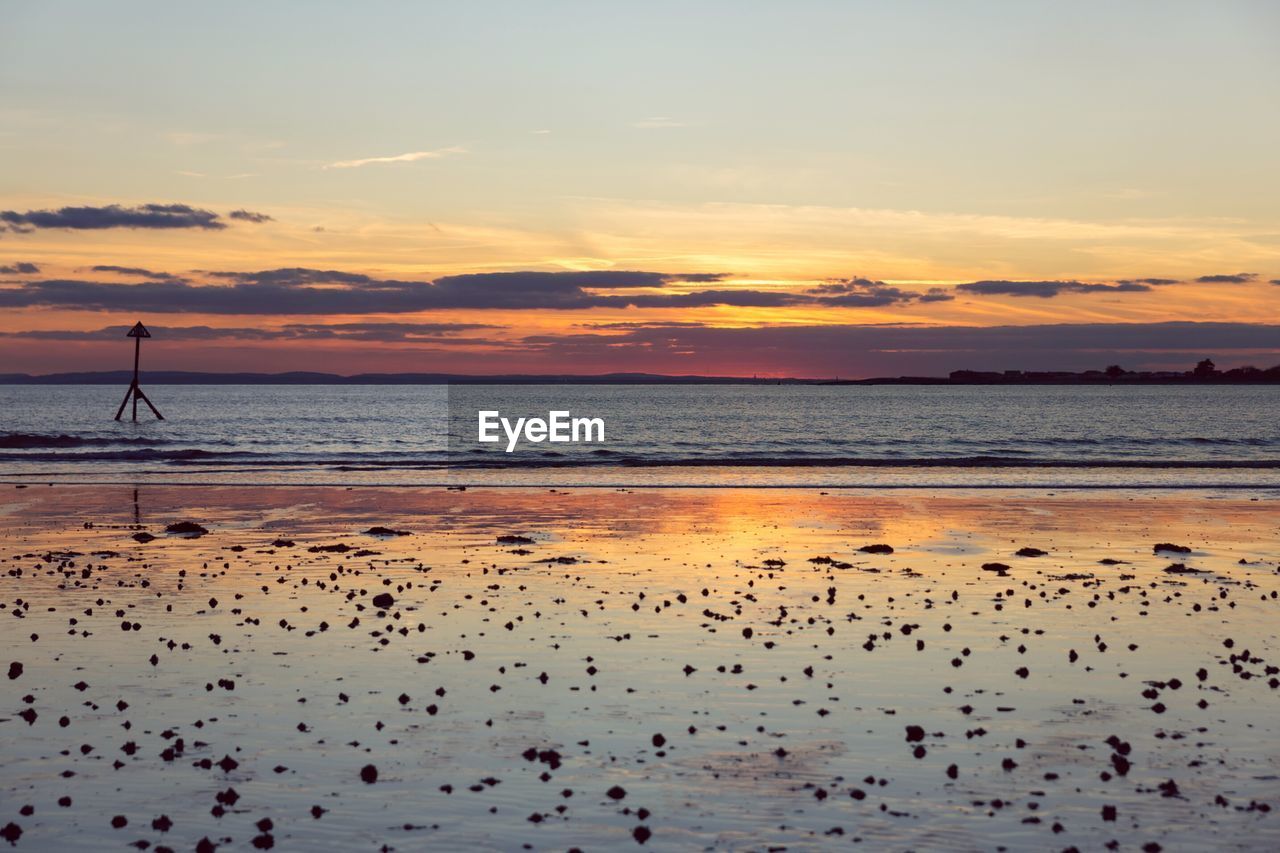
column 339, row 668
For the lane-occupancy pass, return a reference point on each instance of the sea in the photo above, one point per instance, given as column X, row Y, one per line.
column 837, row 436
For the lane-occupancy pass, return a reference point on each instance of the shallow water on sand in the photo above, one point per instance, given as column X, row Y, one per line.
column 643, row 640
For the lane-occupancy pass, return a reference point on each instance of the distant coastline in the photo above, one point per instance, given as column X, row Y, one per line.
column 1204, row 374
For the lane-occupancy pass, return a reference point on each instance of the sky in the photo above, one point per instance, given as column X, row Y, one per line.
column 732, row 188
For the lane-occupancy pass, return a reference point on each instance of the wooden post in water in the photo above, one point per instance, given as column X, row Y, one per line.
column 138, row 332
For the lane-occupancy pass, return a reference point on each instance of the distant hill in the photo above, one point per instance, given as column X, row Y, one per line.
column 180, row 377
column 1116, row 376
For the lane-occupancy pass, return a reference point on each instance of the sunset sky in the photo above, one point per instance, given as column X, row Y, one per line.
column 798, row 189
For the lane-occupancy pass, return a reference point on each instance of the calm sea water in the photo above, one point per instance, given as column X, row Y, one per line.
column 670, row 435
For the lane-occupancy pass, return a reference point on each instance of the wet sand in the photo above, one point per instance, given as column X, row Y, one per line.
column 657, row 669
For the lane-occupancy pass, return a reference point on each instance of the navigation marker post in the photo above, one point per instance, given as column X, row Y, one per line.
column 138, row 332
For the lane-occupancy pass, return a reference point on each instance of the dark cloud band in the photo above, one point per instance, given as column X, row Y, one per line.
column 368, row 332
column 147, row 216
column 310, row 291
column 306, row 291
column 1049, row 289
column 1229, row 278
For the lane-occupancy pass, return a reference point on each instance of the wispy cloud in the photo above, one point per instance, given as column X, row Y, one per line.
column 408, row 157
column 796, row 241
column 136, row 272
column 896, row 350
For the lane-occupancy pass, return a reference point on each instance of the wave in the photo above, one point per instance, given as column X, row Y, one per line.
column 603, row 458
column 29, row 440
column 790, row 445
column 143, row 455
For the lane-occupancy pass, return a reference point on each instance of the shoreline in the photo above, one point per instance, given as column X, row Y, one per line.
column 551, row 486
column 37, row 482
column 960, row 377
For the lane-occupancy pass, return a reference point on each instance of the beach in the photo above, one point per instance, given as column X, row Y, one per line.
column 332, row 668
